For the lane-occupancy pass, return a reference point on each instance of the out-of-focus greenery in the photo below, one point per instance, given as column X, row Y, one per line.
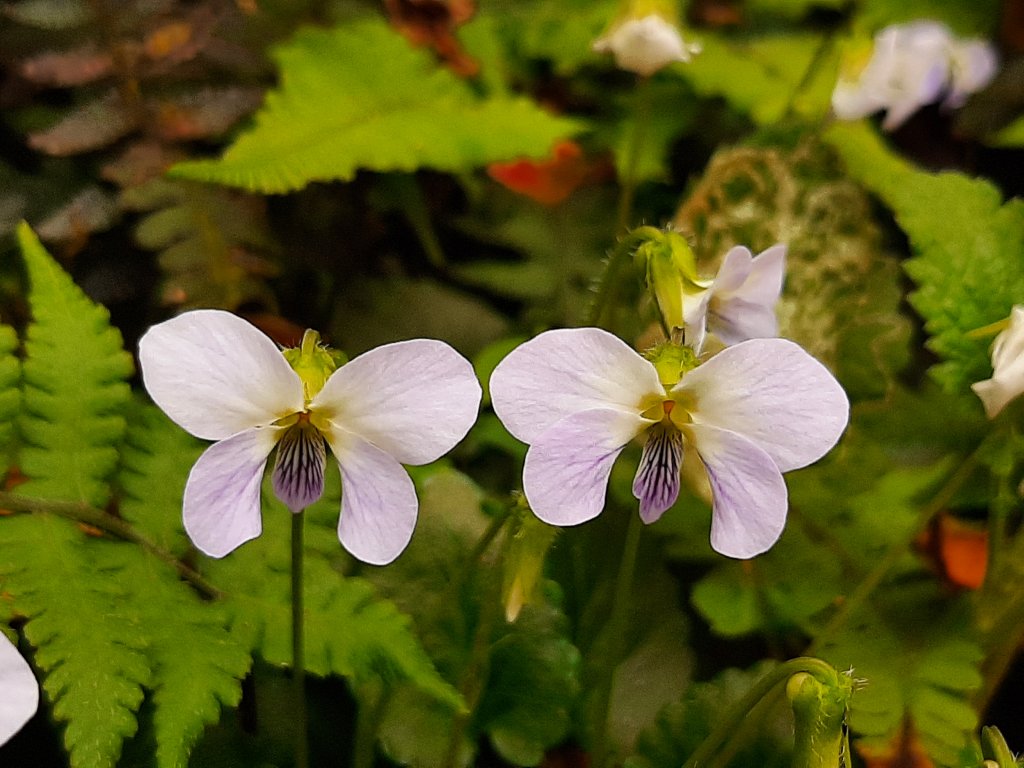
column 306, row 165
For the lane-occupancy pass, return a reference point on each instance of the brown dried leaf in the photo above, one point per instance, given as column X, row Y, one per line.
column 93, row 126
column 140, row 162
column 67, row 68
column 433, row 23
column 206, row 113
column 91, row 210
column 903, row 751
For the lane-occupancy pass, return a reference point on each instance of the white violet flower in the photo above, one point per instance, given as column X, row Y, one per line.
column 910, row 66
column 19, row 691
column 1007, row 380
column 645, row 45
column 220, row 378
column 750, row 413
column 739, row 303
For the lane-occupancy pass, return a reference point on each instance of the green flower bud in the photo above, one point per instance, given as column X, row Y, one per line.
column 523, row 565
column 313, row 362
column 993, row 747
column 819, row 711
column 671, row 274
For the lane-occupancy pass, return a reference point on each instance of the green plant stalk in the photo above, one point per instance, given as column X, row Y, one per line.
column 298, row 645
column 372, row 699
column 730, row 724
column 616, row 638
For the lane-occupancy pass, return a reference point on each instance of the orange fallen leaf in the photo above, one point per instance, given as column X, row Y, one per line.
column 168, row 39
column 903, row 751
column 957, row 549
column 548, row 181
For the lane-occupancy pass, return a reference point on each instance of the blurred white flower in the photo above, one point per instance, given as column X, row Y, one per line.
column 912, row 65
column 1007, row 380
column 645, row 45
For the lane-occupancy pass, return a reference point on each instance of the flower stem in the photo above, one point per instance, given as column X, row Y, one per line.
column 616, row 633
column 728, row 726
column 298, row 645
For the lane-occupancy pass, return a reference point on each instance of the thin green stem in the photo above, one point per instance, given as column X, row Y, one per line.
column 298, row 645
column 616, row 630
column 733, row 719
column 609, row 277
column 80, row 512
column 641, row 118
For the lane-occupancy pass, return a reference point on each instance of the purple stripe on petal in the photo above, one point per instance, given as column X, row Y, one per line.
column 657, row 478
column 298, row 478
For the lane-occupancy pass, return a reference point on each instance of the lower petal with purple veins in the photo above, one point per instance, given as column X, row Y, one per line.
column 298, row 478
column 221, row 507
column 656, row 484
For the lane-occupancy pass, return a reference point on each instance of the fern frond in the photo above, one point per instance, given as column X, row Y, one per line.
column 90, row 648
column 10, row 397
column 350, row 630
column 212, row 242
column 359, row 97
column 74, row 386
column 155, row 461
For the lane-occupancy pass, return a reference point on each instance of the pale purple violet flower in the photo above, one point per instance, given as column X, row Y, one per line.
column 1007, row 382
column 913, row 65
column 739, row 303
column 750, row 413
column 19, row 691
column 220, row 378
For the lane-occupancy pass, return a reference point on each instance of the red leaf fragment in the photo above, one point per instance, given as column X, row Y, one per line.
column 139, row 163
column 548, row 181
column 89, row 211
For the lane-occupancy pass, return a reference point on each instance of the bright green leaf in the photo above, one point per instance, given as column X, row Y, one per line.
column 967, row 246
column 391, row 108
column 75, row 388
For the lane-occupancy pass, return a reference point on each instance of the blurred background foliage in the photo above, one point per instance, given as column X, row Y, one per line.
column 459, row 170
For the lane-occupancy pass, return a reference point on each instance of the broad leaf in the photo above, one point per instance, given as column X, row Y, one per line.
column 967, row 246
column 391, row 109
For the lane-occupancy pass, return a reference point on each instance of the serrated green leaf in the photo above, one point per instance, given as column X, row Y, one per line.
column 967, row 246
column 758, row 77
column 90, row 647
column 74, row 388
column 350, row 630
column 918, row 661
column 562, row 32
column 155, row 461
column 532, row 686
column 197, row 665
column 391, row 109
column 682, row 726
column 776, row 592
